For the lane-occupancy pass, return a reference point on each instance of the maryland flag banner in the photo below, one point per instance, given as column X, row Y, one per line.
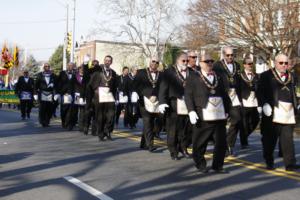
column 6, row 58
column 16, row 56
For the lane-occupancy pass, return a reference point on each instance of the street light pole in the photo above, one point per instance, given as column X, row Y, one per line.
column 73, row 35
column 65, row 40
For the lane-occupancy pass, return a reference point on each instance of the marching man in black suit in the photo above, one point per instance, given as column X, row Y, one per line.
column 147, row 83
column 249, row 95
column 24, row 89
column 66, row 81
column 79, row 98
column 133, row 109
column 102, row 89
column 45, row 92
column 207, row 104
column 278, row 98
column 89, row 67
column 229, row 71
column 122, row 96
column 171, row 100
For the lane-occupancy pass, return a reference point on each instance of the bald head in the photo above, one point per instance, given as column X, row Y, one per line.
column 228, row 54
column 154, row 63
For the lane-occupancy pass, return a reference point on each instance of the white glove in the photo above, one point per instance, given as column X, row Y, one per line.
column 86, row 59
column 35, row 97
column 298, row 107
column 134, row 97
column 193, row 117
column 56, row 97
column 259, row 110
column 162, row 108
column 267, row 109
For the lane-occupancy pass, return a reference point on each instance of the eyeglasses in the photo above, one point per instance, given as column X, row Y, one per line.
column 194, row 57
column 208, row 61
column 185, row 61
column 154, row 61
column 283, row 63
column 46, row 66
column 248, row 63
column 229, row 55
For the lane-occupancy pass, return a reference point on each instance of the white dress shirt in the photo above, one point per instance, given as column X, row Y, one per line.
column 182, row 71
column 210, row 77
column 249, row 75
column 229, row 66
column 281, row 77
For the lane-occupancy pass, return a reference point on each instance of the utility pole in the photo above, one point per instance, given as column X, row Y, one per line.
column 73, row 40
column 65, row 40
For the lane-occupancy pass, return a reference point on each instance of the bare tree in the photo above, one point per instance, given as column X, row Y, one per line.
column 147, row 24
column 268, row 26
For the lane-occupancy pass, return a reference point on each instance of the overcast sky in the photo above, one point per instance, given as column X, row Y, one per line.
column 39, row 25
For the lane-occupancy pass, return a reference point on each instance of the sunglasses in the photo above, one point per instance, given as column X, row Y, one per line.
column 248, row 63
column 185, row 61
column 283, row 63
column 194, row 57
column 229, row 55
column 208, row 61
column 154, row 61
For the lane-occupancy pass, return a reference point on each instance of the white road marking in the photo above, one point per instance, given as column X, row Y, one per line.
column 87, row 188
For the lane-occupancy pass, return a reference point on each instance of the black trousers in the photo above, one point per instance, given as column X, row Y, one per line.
column 271, row 132
column 148, row 128
column 119, row 108
column 55, row 104
column 68, row 115
column 250, row 120
column 176, row 132
column 202, row 132
column 177, row 128
column 45, row 112
column 132, row 114
column 235, row 125
column 25, row 106
column 79, row 113
column 105, row 116
column 90, row 118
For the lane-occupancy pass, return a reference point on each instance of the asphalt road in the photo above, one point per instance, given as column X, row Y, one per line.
column 51, row 163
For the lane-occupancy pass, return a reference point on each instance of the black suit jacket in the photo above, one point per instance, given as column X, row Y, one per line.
column 41, row 84
column 171, row 86
column 269, row 87
column 22, row 85
column 66, row 85
column 122, row 84
column 98, row 80
column 219, row 68
column 144, row 87
column 79, row 86
column 246, row 88
column 197, row 94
